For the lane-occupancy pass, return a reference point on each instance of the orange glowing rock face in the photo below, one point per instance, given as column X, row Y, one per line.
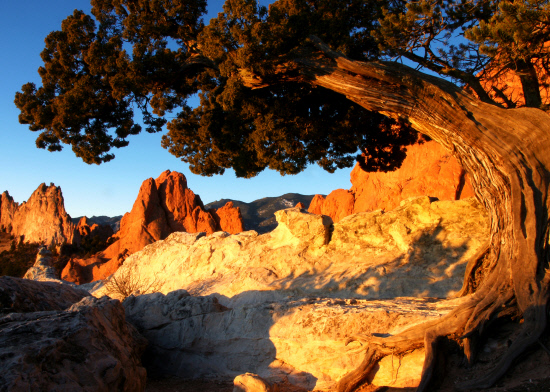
column 163, row 206
column 428, row 170
column 43, row 218
column 507, row 85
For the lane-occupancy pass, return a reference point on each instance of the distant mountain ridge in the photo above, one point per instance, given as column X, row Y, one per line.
column 259, row 214
column 114, row 221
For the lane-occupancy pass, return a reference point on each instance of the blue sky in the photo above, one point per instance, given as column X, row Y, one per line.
column 111, row 188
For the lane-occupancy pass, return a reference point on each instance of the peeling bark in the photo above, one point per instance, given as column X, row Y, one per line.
column 507, row 154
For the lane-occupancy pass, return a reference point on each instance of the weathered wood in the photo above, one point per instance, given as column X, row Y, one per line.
column 507, row 154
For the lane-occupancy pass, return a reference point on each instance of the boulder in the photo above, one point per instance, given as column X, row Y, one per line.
column 338, row 204
column 43, row 268
column 87, row 347
column 229, row 218
column 7, row 210
column 24, row 296
column 250, row 382
column 43, row 218
column 282, row 304
column 428, row 170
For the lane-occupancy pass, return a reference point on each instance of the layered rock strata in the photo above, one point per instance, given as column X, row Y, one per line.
column 282, row 304
column 89, row 347
column 54, row 337
column 24, row 296
column 428, row 170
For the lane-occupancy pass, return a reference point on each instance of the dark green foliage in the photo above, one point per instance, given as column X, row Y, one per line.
column 18, row 259
column 472, row 40
column 152, row 56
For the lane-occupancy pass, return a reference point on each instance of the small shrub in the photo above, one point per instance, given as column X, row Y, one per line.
column 127, row 282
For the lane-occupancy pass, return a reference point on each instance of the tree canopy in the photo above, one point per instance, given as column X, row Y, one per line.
column 308, row 81
column 135, row 59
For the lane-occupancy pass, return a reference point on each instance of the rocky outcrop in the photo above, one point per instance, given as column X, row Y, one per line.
column 229, row 218
column 163, row 206
column 43, row 268
column 282, row 304
column 43, row 218
column 87, row 347
column 24, row 296
column 338, row 204
column 7, row 210
column 369, row 254
column 258, row 215
column 88, row 230
column 506, row 87
column 81, row 271
column 428, row 170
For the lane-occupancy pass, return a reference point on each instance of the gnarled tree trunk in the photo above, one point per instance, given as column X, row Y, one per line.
column 507, row 153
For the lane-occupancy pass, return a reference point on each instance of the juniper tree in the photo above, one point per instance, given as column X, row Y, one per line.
column 308, row 81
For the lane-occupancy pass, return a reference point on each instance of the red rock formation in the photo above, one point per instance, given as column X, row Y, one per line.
column 428, row 170
column 300, row 205
column 7, row 210
column 82, row 271
column 229, row 218
column 163, row 206
column 506, row 87
column 316, row 205
column 95, row 230
column 43, row 218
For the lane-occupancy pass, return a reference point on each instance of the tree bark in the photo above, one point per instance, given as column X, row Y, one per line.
column 507, row 154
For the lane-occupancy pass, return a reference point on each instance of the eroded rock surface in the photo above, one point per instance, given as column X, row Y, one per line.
column 428, row 170
column 88, row 347
column 163, row 206
column 418, row 249
column 7, row 210
column 282, row 304
column 43, row 218
column 24, row 296
column 42, row 268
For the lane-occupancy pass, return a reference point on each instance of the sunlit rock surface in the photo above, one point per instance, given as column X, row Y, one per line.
column 428, row 170
column 42, row 268
column 7, row 209
column 282, row 304
column 43, row 218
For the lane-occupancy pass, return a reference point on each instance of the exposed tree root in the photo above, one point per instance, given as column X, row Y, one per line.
column 465, row 323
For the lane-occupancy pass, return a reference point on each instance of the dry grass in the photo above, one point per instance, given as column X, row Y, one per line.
column 127, row 282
